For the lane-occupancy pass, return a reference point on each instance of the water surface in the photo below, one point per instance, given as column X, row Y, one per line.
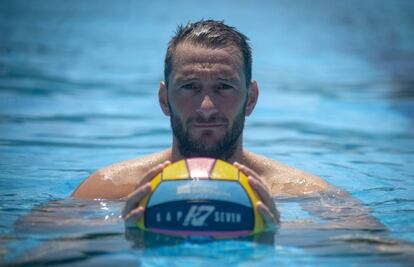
column 78, row 91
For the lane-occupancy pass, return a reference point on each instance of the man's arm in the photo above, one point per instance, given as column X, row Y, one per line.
column 341, row 211
column 337, row 207
column 102, row 185
column 325, row 201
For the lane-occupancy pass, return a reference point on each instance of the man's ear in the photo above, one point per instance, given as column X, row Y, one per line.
column 163, row 98
column 252, row 96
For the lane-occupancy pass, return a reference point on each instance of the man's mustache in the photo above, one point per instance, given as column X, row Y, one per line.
column 213, row 119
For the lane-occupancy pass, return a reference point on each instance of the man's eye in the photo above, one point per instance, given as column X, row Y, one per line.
column 224, row 86
column 189, row 86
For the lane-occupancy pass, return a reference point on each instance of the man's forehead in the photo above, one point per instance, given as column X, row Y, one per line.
column 200, row 69
column 187, row 54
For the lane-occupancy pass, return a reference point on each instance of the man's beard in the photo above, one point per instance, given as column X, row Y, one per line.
column 222, row 149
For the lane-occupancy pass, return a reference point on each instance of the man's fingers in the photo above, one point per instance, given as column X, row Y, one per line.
column 142, row 188
column 134, row 198
column 270, row 219
column 249, row 172
column 268, row 207
column 152, row 172
column 264, row 195
column 246, row 170
column 133, row 216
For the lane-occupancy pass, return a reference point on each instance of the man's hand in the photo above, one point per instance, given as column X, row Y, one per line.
column 266, row 206
column 132, row 212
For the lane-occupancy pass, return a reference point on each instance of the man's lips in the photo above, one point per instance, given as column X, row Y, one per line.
column 208, row 125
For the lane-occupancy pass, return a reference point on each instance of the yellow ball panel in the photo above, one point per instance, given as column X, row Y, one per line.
column 175, row 171
column 143, row 203
column 224, row 171
column 258, row 221
column 155, row 182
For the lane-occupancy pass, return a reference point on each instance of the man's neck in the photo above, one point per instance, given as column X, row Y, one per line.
column 237, row 156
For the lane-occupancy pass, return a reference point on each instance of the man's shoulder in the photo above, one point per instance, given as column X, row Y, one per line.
column 128, row 171
column 119, row 179
column 285, row 179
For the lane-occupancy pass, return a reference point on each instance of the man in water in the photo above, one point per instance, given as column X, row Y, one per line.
column 207, row 92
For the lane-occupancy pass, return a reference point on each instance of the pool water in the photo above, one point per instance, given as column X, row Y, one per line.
column 78, row 91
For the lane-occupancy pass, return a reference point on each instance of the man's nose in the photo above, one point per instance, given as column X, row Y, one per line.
column 207, row 107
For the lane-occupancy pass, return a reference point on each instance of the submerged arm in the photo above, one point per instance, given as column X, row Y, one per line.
column 341, row 211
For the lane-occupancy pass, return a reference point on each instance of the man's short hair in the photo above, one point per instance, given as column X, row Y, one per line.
column 210, row 34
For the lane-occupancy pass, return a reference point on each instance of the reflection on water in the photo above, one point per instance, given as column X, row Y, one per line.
column 78, row 83
column 88, row 232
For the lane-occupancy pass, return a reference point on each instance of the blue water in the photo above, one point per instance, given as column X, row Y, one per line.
column 78, row 91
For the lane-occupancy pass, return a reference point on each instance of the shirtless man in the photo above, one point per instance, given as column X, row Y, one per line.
column 207, row 92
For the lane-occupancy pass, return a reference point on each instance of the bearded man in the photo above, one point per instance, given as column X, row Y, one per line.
column 207, row 92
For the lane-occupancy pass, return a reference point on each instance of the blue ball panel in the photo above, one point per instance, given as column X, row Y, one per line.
column 200, row 215
column 220, row 190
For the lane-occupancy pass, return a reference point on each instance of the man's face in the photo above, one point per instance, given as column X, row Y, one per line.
column 207, row 98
